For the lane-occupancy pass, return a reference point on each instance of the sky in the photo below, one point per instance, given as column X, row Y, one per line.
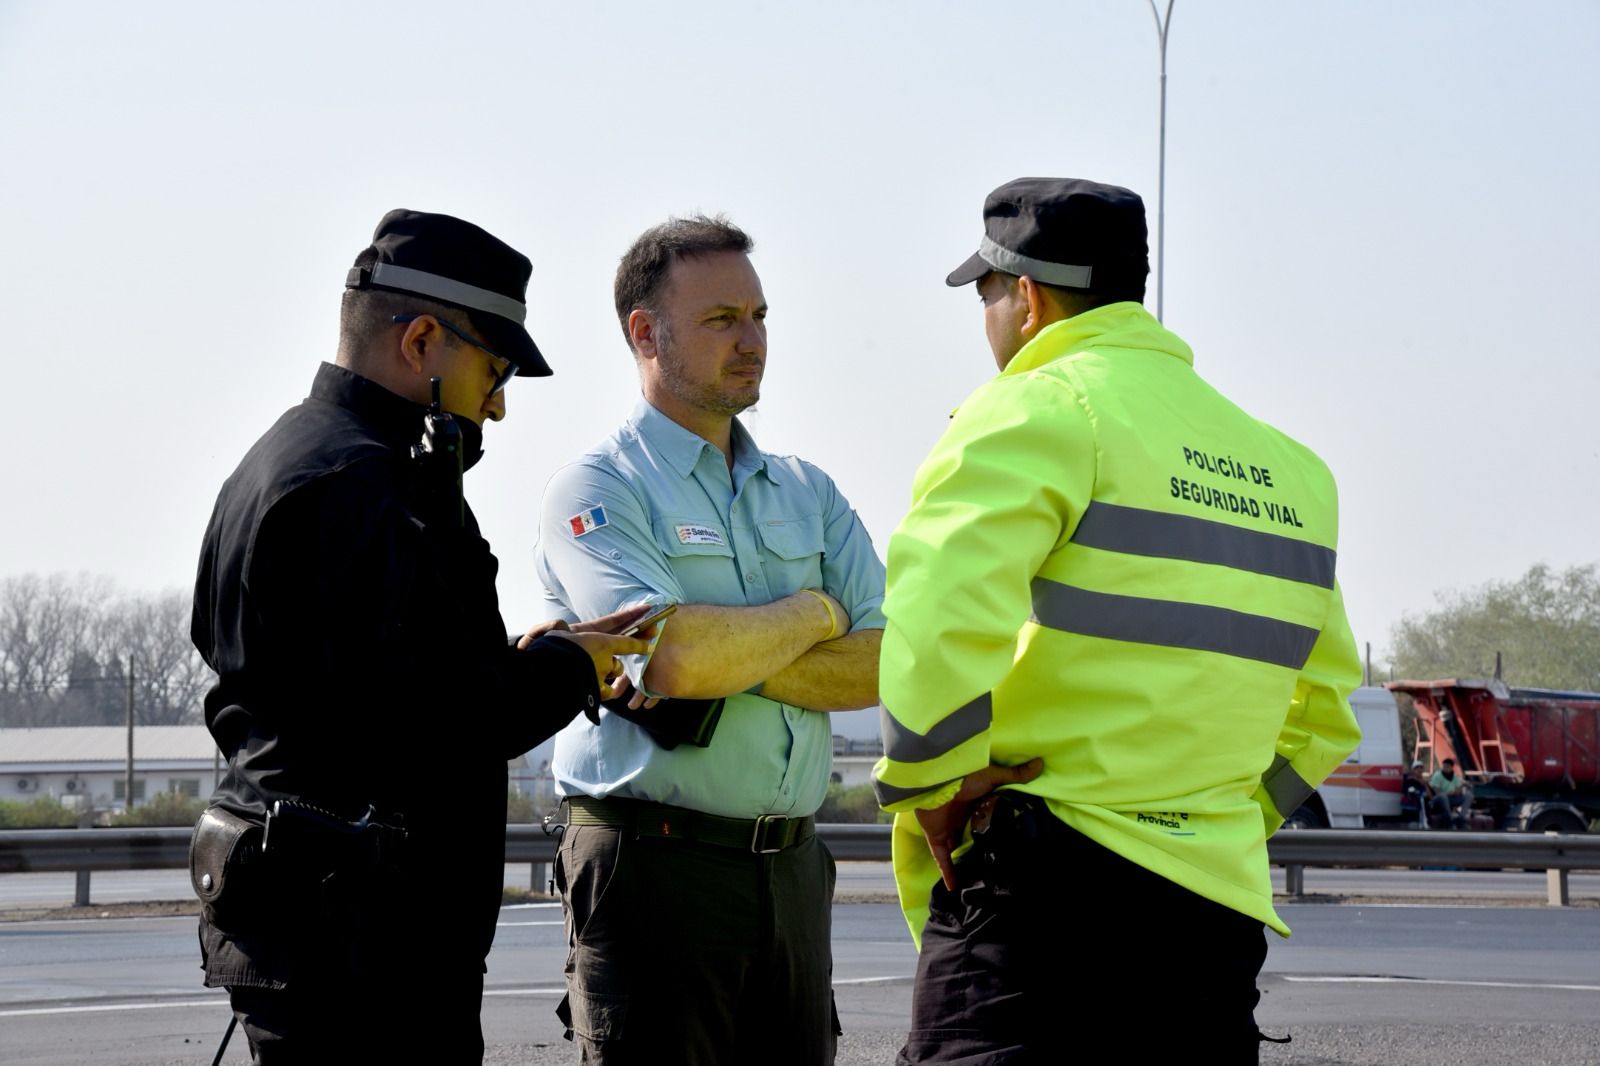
column 1380, row 237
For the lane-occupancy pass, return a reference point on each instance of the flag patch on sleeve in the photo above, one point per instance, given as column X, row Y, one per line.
column 587, row 521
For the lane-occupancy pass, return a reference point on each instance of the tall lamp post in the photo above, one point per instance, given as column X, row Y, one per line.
column 1162, row 26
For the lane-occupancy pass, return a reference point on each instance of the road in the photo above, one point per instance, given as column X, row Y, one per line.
column 1379, row 984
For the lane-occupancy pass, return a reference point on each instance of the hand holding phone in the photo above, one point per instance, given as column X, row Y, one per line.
column 649, row 620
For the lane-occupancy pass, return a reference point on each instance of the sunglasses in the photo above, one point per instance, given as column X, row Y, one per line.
column 502, row 377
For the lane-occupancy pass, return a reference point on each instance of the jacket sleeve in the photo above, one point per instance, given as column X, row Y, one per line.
column 1001, row 490
column 1320, row 729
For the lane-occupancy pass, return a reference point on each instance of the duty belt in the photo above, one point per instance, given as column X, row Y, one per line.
column 765, row 835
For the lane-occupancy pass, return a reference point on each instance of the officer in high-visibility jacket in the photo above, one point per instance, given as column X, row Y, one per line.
column 1115, row 647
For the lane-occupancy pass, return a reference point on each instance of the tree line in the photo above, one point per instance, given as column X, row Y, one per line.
column 67, row 644
column 1543, row 625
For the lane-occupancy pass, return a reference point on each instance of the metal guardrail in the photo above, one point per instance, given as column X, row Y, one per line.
column 85, row 850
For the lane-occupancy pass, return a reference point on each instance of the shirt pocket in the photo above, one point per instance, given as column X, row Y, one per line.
column 792, row 552
column 700, row 555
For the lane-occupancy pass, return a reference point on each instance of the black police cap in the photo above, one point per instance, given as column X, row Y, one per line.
column 461, row 265
column 1066, row 232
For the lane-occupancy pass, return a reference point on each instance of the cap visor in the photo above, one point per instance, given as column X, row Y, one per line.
column 510, row 340
column 968, row 272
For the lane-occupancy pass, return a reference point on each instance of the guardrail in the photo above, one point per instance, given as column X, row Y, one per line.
column 86, row 850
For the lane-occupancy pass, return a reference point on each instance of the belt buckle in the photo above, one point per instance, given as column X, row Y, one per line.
column 758, row 837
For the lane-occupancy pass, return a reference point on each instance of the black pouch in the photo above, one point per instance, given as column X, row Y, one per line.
column 673, row 722
column 224, row 865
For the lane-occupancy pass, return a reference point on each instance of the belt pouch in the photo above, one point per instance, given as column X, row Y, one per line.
column 223, row 852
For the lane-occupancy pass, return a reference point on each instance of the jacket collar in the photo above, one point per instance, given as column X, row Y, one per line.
column 1118, row 325
column 393, row 420
column 682, row 449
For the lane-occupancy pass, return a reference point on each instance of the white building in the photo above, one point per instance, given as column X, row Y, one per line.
column 91, row 761
column 854, row 758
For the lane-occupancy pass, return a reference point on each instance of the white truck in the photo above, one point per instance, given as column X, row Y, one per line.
column 1364, row 792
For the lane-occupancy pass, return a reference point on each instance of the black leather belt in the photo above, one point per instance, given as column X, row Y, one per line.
column 765, row 835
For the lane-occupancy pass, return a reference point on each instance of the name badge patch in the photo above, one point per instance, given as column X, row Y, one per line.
column 700, row 535
column 587, row 521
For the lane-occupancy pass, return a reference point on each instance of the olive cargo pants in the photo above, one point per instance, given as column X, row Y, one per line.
column 693, row 953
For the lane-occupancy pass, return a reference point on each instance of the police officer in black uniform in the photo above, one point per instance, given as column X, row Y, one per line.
column 368, row 698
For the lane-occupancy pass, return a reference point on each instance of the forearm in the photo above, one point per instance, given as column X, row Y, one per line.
column 706, row 651
column 836, row 675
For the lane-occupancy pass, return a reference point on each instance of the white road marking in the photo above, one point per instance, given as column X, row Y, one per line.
column 218, row 1001
column 1431, row 981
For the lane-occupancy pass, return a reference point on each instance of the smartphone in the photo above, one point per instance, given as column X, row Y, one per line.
column 649, row 620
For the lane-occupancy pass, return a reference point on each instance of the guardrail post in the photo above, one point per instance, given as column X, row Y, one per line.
column 1294, row 879
column 539, row 878
column 1556, row 884
column 80, row 897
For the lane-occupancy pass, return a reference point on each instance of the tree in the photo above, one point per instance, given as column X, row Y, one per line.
column 1546, row 623
column 65, row 646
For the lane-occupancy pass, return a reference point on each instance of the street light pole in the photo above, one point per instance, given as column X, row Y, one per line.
column 1162, row 25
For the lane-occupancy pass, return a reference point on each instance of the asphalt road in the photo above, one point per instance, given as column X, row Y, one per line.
column 1379, row 984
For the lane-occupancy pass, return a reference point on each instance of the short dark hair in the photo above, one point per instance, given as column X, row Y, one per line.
column 647, row 263
column 1077, row 301
column 364, row 314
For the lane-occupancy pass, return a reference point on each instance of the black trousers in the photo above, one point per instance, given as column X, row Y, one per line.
column 355, row 969
column 435, row 1022
column 1056, row 950
column 687, row 953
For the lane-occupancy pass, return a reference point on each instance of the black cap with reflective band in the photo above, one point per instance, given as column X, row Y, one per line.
column 456, row 263
column 1066, row 232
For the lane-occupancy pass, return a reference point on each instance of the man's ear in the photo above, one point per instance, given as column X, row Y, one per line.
column 642, row 332
column 1040, row 311
column 422, row 335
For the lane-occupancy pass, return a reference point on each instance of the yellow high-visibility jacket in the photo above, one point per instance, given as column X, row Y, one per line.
column 1110, row 566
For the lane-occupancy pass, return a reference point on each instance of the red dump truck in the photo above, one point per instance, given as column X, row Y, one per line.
column 1531, row 755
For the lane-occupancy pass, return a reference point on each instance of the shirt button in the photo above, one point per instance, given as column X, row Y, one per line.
column 751, row 578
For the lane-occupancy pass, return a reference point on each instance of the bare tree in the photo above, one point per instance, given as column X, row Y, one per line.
column 65, row 646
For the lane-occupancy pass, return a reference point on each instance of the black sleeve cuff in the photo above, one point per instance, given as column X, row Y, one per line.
column 551, row 681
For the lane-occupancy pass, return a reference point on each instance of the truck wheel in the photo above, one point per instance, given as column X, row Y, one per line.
column 1557, row 821
column 1305, row 817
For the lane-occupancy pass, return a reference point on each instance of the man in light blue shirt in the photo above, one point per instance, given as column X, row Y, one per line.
column 697, row 897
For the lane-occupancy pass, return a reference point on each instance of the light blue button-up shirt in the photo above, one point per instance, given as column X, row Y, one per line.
column 653, row 514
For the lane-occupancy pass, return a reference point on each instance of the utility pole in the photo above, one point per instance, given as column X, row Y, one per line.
column 1162, row 26
column 128, row 782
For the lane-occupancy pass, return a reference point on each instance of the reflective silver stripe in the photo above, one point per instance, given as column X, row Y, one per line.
column 1071, row 277
column 887, row 794
column 456, row 292
column 1286, row 787
column 1135, row 531
column 955, row 729
column 1170, row 624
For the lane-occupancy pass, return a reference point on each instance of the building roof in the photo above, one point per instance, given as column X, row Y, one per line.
column 23, row 749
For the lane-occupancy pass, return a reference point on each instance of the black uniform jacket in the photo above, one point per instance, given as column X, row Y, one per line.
column 352, row 620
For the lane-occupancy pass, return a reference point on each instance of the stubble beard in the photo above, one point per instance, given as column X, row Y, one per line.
column 704, row 397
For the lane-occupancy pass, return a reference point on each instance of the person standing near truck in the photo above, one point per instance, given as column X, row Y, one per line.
column 1114, row 595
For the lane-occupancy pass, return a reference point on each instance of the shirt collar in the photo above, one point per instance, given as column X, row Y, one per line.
column 682, row 448
column 1119, row 325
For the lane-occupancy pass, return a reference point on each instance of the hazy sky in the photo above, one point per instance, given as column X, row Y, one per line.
column 1381, row 237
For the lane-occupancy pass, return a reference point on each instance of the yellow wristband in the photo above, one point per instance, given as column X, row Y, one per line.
column 833, row 619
